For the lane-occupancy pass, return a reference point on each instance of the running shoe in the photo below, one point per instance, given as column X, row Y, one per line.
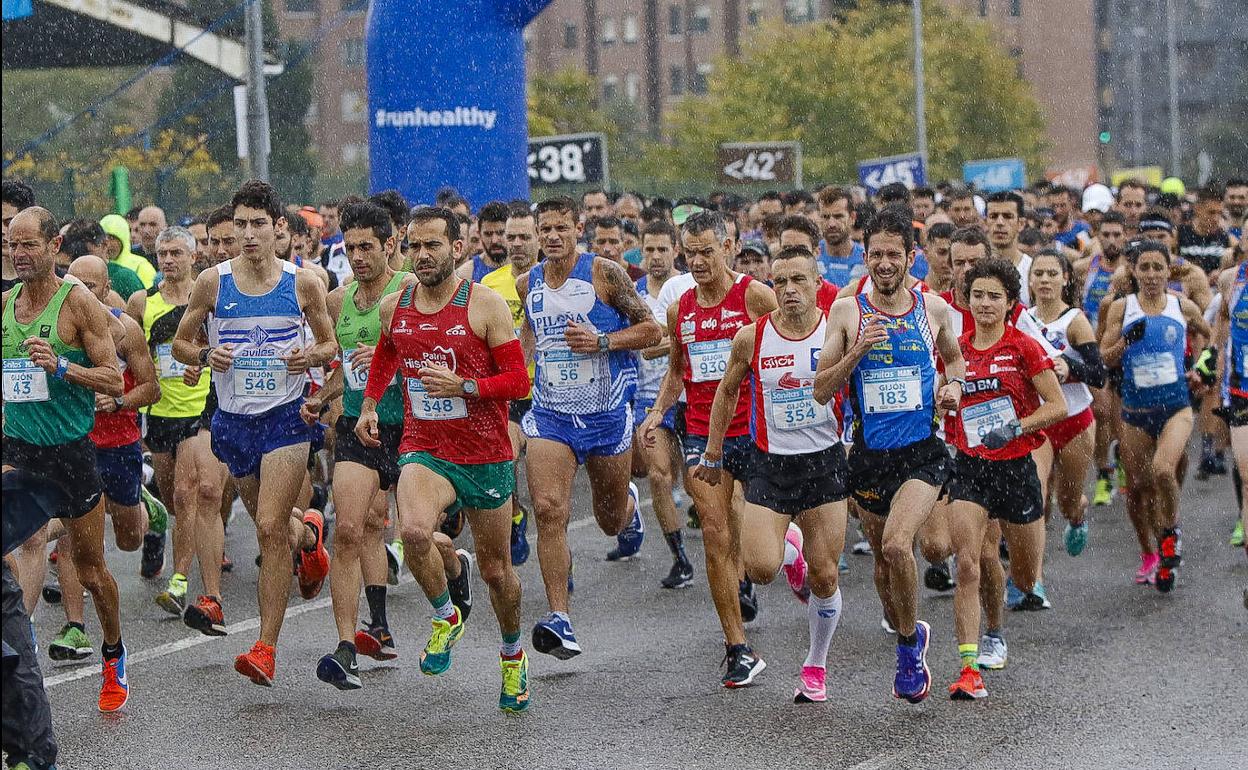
column 173, row 598
column 628, row 542
column 436, row 657
column 461, row 587
column 913, row 678
column 116, row 688
column 1075, row 537
column 452, row 524
column 339, row 668
column 72, row 643
column 1104, row 494
column 741, row 664
column 887, row 627
column 1237, row 534
column 1037, row 599
column 519, row 537
column 970, row 686
column 862, row 547
column 1120, row 477
column 313, row 563
column 206, row 616
column 1148, row 568
column 1170, row 552
column 748, row 598
column 811, row 685
column 514, row 696
column 553, row 635
column 52, row 588
column 394, row 561
column 842, row 565
column 376, row 642
column 993, row 652
column 152, row 560
column 1013, row 595
column 157, row 513
column 795, row 573
column 258, row 664
column 693, row 520
column 680, row 576
column 938, row 577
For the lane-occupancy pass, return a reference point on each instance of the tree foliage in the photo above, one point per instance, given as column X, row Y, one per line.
column 845, row 89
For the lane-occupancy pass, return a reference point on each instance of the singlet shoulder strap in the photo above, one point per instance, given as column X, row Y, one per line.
column 405, row 300
column 154, row 290
column 289, row 267
column 462, row 294
column 225, row 268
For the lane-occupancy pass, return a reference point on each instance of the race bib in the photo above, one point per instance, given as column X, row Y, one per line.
column 565, row 370
column 895, row 389
column 24, row 381
column 427, row 407
column 169, row 366
column 796, row 408
column 978, row 420
column 259, row 377
column 708, row 360
column 1152, row 370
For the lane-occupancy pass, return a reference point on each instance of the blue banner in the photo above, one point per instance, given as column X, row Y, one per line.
column 877, row 172
column 446, row 98
column 17, row 9
column 996, row 174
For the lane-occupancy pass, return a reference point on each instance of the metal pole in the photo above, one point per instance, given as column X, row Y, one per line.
column 920, row 91
column 257, row 100
column 1137, row 99
column 1173, row 67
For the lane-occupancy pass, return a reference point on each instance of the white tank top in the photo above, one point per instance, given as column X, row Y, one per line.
column 1078, row 397
column 787, row 419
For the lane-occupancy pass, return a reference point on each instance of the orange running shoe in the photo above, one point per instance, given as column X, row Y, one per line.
column 116, row 689
column 314, row 563
column 206, row 616
column 970, row 686
column 257, row 664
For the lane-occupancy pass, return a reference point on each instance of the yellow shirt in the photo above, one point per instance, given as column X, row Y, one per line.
column 503, row 281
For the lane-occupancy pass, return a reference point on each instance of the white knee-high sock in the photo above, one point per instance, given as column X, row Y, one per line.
column 823, row 615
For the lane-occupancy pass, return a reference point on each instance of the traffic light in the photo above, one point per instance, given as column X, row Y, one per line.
column 1105, row 137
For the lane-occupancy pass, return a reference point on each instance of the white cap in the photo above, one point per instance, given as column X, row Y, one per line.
column 980, row 205
column 1097, row 196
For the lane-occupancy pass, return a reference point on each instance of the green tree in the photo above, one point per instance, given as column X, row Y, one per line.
column 845, row 89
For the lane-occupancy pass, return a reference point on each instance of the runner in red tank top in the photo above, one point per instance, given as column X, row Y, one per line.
column 456, row 347
column 702, row 325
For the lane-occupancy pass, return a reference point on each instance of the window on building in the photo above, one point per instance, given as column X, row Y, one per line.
column 632, row 87
column 1016, row 7
column 697, row 80
column 353, row 153
column 353, row 107
column 610, row 88
column 630, row 28
column 569, row 35
column 1017, row 55
column 354, row 6
column 353, row 53
column 983, row 8
column 609, row 32
column 301, row 6
column 1197, row 60
column 799, row 11
column 753, row 14
column 675, row 15
column 700, row 21
column 677, row 79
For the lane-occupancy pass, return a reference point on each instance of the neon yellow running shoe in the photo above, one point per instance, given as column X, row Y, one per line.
column 1237, row 534
column 173, row 598
column 436, row 657
column 515, row 694
column 1104, row 492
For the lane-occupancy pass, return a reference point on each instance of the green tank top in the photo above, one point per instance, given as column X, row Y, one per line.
column 39, row 408
column 160, row 323
column 356, row 326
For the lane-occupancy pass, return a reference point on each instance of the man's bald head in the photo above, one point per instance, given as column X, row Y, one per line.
column 151, row 222
column 93, row 272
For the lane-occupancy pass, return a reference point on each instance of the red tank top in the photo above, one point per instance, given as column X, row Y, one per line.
column 465, row 431
column 705, row 342
column 120, row 428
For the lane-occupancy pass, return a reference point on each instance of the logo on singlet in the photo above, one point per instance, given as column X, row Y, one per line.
column 776, row 362
column 538, row 300
column 441, row 355
column 257, row 336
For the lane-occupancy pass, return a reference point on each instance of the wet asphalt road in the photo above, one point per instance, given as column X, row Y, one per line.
column 1116, row 675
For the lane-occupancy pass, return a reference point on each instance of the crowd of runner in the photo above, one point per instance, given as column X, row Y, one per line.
column 940, row 367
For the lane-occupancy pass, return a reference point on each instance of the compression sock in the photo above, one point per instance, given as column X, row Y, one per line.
column 822, row 615
column 510, row 648
column 676, row 544
column 442, row 606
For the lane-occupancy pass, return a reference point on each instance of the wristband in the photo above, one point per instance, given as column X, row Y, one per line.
column 705, row 463
column 62, row 366
column 959, row 380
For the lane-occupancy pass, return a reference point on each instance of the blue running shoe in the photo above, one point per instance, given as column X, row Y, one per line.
column 842, row 566
column 1013, row 596
column 1075, row 538
column 1037, row 600
column 628, row 542
column 519, row 537
column 913, row 680
column 553, row 636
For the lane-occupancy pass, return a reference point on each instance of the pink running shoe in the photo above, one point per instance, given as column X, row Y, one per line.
column 796, row 572
column 1148, row 568
column 811, row 687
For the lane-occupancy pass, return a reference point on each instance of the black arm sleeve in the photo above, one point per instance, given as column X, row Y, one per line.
column 1091, row 370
